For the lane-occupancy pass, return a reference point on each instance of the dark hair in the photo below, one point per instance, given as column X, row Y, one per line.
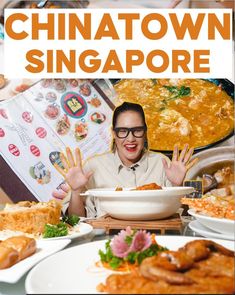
column 128, row 106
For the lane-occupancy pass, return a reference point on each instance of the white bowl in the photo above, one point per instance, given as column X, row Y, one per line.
column 140, row 205
column 221, row 225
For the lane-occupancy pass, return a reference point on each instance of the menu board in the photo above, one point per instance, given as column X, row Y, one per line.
column 38, row 124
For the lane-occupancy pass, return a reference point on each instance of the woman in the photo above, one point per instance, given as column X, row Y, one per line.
column 129, row 164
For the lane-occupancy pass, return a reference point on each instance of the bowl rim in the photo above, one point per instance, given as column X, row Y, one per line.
column 165, row 192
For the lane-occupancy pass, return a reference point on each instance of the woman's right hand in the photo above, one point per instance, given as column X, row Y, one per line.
column 73, row 173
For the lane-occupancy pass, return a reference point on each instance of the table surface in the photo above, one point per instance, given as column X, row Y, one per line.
column 19, row 287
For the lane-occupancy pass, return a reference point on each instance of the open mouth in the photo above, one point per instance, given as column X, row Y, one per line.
column 131, row 147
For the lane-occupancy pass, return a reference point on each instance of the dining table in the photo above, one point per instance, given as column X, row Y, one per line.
column 18, row 288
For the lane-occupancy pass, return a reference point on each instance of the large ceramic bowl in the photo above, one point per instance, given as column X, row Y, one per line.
column 221, row 225
column 140, row 205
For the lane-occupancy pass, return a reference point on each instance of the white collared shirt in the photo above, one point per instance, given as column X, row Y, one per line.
column 110, row 172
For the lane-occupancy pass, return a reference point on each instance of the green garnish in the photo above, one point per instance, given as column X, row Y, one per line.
column 58, row 230
column 71, row 220
column 133, row 257
column 177, row 91
column 151, row 251
column 108, row 257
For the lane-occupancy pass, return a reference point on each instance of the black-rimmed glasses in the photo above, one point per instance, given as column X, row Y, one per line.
column 123, row 132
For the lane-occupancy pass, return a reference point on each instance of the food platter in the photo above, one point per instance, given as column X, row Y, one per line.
column 220, row 225
column 44, row 249
column 82, row 275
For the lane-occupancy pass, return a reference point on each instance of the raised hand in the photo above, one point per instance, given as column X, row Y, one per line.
column 179, row 165
column 73, row 173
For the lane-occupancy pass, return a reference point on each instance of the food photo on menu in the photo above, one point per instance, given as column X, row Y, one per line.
column 117, row 184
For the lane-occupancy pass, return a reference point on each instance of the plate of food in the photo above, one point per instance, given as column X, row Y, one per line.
column 215, row 211
column 128, row 261
column 209, row 233
column 19, row 254
column 74, row 232
column 63, row 125
column 80, row 130
column 220, row 225
column 52, row 111
column 98, row 117
column 59, row 231
column 41, row 221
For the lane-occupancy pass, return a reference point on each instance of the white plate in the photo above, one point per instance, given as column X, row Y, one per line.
column 209, row 233
column 15, row 272
column 80, row 230
column 127, row 192
column 73, row 270
column 221, row 225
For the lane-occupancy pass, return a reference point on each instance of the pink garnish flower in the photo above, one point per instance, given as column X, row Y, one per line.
column 119, row 246
column 141, row 241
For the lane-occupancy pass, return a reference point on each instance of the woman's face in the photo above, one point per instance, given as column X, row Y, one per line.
column 129, row 148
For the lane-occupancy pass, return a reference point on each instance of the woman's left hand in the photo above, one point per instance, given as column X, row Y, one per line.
column 179, row 165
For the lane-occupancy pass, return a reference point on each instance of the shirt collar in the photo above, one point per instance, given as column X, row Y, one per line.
column 142, row 163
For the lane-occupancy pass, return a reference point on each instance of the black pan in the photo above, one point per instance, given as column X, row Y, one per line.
column 228, row 87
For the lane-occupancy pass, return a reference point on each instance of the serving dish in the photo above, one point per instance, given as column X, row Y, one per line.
column 220, row 225
column 140, row 205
